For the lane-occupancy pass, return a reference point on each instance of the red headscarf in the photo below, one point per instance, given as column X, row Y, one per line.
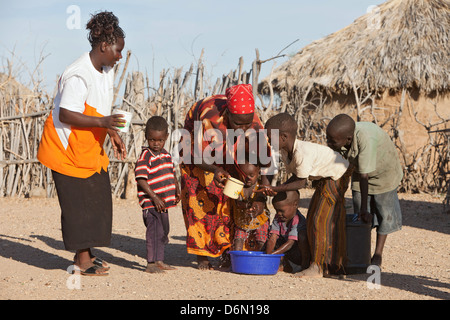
column 240, row 99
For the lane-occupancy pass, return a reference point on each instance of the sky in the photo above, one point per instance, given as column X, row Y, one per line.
column 167, row 34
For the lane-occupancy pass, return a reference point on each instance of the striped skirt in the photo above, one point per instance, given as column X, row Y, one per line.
column 326, row 223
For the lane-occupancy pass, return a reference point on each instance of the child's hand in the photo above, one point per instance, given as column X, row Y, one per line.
column 177, row 195
column 365, row 216
column 159, row 203
column 266, row 190
column 252, row 212
column 256, row 209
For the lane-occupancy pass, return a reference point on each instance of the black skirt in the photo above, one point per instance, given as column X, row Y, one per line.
column 86, row 210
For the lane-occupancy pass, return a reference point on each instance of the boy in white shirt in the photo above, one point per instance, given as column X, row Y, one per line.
column 326, row 212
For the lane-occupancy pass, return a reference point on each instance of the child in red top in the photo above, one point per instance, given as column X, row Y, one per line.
column 158, row 190
column 288, row 231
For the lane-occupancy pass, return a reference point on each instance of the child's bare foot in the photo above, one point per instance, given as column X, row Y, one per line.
column 312, row 272
column 164, row 266
column 153, row 268
column 287, row 267
column 203, row 263
column 376, row 260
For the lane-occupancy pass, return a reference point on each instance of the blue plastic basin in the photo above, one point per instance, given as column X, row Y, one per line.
column 254, row 262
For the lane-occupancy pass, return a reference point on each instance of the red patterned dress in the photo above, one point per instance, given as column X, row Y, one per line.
column 206, row 211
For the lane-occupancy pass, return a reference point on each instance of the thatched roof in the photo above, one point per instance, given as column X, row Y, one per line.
column 10, row 87
column 400, row 44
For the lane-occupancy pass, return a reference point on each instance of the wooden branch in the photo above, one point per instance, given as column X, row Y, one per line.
column 116, row 90
column 28, row 115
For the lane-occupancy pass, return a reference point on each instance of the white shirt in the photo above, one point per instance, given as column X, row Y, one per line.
column 71, row 150
column 314, row 161
column 83, row 89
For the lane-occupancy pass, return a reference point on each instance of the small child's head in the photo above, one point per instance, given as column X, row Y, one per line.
column 156, row 133
column 285, row 124
column 251, row 172
column 340, row 132
column 250, row 168
column 285, row 204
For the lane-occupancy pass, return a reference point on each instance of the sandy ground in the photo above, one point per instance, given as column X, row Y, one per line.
column 33, row 261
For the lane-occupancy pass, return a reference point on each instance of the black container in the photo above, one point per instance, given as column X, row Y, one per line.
column 358, row 245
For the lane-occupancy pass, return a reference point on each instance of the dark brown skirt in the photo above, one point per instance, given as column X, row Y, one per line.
column 86, row 210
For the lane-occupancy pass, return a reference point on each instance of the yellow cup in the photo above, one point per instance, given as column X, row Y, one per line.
column 233, row 188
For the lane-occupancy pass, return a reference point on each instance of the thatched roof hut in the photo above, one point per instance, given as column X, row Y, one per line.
column 390, row 66
column 399, row 44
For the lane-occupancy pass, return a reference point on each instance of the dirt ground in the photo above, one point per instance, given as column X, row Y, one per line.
column 33, row 261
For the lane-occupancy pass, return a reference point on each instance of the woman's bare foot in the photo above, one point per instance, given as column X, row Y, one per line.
column 95, row 260
column 312, row 272
column 203, row 263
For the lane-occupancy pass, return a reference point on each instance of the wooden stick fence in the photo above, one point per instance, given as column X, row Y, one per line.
column 23, row 113
column 22, row 118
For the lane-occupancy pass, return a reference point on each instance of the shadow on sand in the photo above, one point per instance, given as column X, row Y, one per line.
column 420, row 285
column 14, row 248
column 416, row 214
column 428, row 216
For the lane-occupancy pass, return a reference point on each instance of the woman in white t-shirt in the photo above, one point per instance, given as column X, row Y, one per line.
column 72, row 143
column 330, row 173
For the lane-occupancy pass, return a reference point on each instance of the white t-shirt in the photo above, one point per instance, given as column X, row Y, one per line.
column 85, row 90
column 71, row 150
column 74, row 95
column 314, row 161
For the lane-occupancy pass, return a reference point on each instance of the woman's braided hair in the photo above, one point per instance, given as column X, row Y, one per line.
column 104, row 27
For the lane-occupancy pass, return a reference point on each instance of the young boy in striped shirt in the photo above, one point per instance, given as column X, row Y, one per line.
column 158, row 190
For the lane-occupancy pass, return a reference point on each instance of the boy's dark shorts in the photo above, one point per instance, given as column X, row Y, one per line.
column 385, row 207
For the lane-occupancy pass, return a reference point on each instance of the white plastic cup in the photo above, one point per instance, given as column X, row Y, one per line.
column 127, row 117
column 233, row 188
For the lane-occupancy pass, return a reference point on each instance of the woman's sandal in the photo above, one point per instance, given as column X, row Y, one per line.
column 100, row 263
column 91, row 271
column 96, row 261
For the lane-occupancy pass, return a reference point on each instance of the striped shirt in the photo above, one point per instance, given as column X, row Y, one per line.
column 159, row 172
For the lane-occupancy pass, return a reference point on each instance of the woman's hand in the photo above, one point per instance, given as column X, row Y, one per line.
column 220, row 176
column 113, row 121
column 120, row 151
column 110, row 122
